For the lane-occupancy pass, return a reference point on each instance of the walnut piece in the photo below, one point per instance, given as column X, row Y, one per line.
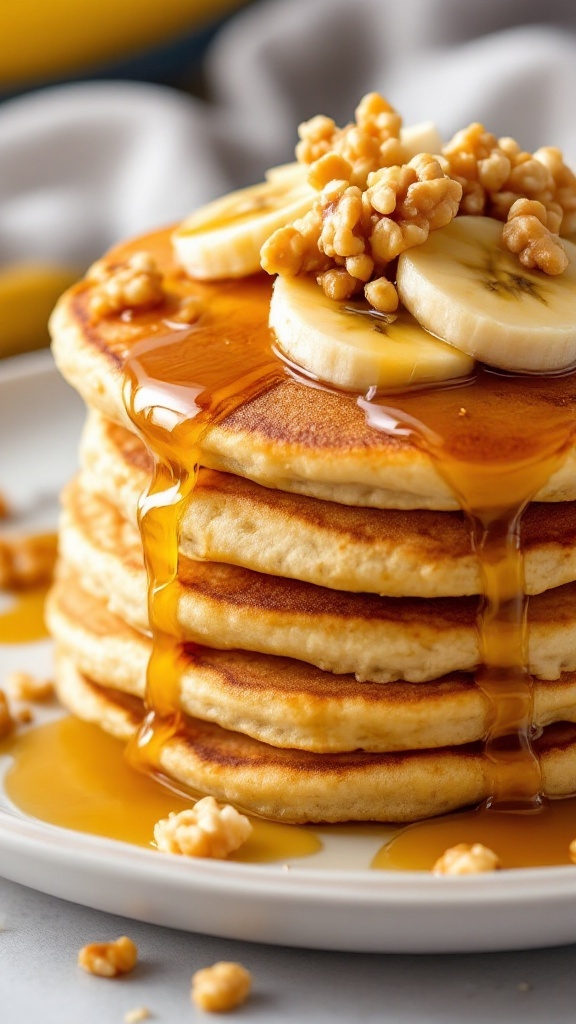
column 466, row 859
column 572, row 851
column 351, row 235
column 372, row 141
column 527, row 234
column 221, row 987
column 109, row 959
column 134, row 284
column 496, row 173
column 24, row 686
column 26, row 561
column 136, row 1015
column 208, row 829
column 4, row 507
column 373, row 203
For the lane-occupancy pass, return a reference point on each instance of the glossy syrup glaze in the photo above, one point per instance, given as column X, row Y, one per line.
column 494, row 439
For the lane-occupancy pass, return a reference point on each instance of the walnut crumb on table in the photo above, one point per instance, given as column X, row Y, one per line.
column 109, row 959
column 221, row 988
column 24, row 686
column 466, row 859
column 208, row 829
column 26, row 561
column 137, row 1014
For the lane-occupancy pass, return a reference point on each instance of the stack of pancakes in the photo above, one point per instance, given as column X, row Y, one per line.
column 327, row 601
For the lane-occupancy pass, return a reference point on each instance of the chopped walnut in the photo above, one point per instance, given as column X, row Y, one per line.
column 136, row 1015
column 496, row 173
column 109, row 959
column 572, row 851
column 372, row 141
column 527, row 234
column 4, row 507
column 221, row 987
column 351, row 235
column 26, row 561
column 373, row 203
column 464, row 859
column 6, row 720
column 24, row 686
column 134, row 284
column 206, row 830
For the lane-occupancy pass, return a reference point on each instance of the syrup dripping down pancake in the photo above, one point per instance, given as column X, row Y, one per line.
column 294, row 437
column 376, row 638
column 297, row 786
column 283, row 702
column 231, row 519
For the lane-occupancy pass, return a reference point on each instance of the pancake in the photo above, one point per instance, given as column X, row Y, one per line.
column 284, row 702
column 297, row 786
column 233, row 520
column 376, row 638
column 293, row 437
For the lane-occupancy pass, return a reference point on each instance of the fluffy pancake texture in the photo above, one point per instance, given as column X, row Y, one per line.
column 283, row 702
column 297, row 786
column 319, row 558
column 233, row 520
column 375, row 638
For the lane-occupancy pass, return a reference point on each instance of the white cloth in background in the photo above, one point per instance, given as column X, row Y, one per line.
column 84, row 165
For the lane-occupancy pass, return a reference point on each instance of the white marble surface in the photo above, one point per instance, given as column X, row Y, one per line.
column 40, row 982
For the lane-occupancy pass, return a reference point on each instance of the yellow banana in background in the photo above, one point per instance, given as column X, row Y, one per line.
column 28, row 292
column 43, row 41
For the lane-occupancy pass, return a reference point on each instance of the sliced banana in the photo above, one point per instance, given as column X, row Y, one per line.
column 354, row 347
column 294, row 170
column 224, row 238
column 421, row 138
column 464, row 286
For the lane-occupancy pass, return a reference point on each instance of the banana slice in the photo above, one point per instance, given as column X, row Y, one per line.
column 294, row 170
column 464, row 286
column 28, row 293
column 354, row 347
column 421, row 138
column 224, row 238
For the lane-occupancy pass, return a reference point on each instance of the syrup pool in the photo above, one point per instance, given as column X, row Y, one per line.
column 494, row 439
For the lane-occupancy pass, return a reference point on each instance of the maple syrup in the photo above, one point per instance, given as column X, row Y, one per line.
column 495, row 440
column 23, row 620
column 92, row 789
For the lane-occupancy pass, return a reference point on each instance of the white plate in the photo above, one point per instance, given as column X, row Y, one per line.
column 328, row 901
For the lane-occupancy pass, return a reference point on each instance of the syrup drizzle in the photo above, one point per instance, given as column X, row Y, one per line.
column 495, row 440
column 178, row 383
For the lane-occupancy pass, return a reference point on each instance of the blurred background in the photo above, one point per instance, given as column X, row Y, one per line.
column 121, row 115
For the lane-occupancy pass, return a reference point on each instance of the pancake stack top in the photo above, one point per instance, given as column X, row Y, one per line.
column 298, row 612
